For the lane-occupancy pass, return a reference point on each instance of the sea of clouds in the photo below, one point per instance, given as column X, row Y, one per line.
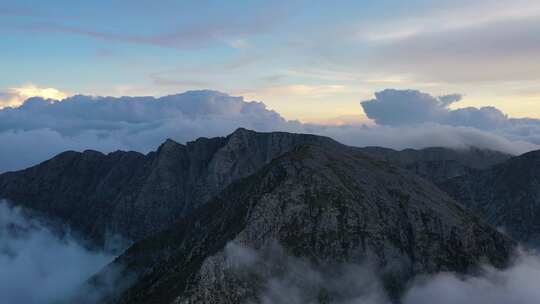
column 41, row 128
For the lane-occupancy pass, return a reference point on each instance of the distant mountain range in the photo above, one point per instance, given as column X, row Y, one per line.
column 183, row 206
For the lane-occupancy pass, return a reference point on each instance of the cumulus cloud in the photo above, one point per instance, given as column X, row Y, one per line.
column 39, row 266
column 40, row 127
column 409, row 107
column 400, row 107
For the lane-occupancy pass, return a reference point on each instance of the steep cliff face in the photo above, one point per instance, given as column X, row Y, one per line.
column 328, row 205
column 135, row 195
column 506, row 195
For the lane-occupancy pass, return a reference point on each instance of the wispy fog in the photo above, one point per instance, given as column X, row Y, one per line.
column 293, row 280
column 298, row 281
column 518, row 284
column 38, row 266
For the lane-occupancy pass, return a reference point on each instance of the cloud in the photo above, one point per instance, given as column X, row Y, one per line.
column 289, row 279
column 16, row 96
column 408, row 107
column 400, row 107
column 424, row 135
column 283, row 278
column 516, row 284
column 39, row 266
column 503, row 49
column 186, row 32
column 41, row 128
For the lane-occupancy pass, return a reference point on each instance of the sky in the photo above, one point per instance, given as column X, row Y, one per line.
column 308, row 60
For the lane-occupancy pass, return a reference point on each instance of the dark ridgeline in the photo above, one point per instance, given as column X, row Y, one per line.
column 317, row 198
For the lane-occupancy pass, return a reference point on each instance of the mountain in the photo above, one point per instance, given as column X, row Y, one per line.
column 506, row 195
column 136, row 195
column 327, row 204
column 439, row 164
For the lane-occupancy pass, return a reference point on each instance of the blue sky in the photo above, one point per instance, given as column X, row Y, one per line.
column 309, row 60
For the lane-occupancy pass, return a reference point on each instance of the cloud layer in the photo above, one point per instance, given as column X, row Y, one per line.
column 37, row 265
column 41, row 128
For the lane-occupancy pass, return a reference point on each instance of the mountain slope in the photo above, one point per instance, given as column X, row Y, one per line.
column 329, row 205
column 506, row 195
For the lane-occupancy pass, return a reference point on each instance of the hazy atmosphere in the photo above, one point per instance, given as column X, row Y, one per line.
column 376, row 152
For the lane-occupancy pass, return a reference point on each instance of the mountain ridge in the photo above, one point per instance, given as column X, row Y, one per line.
column 134, row 194
column 506, row 195
column 327, row 205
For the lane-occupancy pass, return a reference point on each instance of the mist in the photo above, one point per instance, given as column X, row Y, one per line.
column 289, row 279
column 517, row 284
column 38, row 265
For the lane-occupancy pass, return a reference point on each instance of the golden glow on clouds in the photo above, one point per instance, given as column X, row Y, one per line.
column 327, row 104
column 17, row 95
